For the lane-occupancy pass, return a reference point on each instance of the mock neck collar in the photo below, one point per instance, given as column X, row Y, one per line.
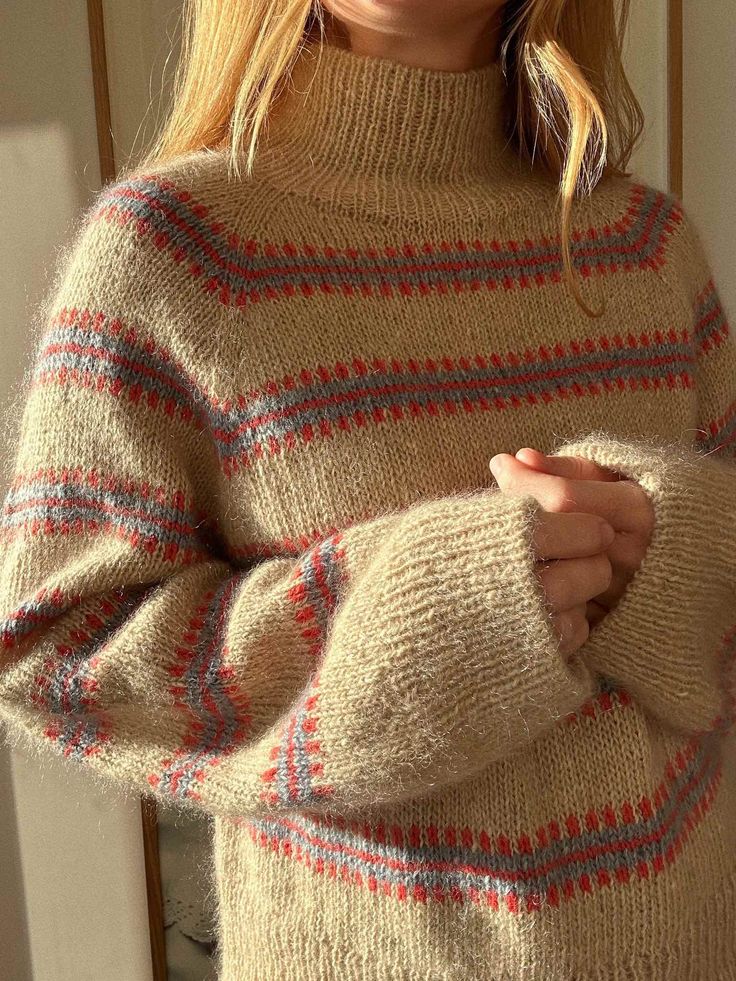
column 367, row 132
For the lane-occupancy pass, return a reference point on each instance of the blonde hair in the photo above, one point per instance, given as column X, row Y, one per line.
column 570, row 105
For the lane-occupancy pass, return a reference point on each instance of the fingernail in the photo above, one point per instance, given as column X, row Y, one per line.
column 536, row 456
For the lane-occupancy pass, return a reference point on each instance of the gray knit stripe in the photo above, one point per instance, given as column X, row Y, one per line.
column 607, row 849
column 161, row 208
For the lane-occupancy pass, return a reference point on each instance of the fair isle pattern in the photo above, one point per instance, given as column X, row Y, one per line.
column 46, row 606
column 295, row 778
column 86, row 349
column 50, row 502
column 711, row 331
column 314, row 590
column 608, row 698
column 711, row 326
column 239, row 270
column 561, row 861
column 67, row 687
column 294, row 546
column 727, row 719
column 719, row 436
column 207, row 692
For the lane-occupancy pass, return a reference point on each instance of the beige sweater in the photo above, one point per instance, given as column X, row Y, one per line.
column 254, row 562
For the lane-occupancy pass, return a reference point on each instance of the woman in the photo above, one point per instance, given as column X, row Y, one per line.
column 255, row 562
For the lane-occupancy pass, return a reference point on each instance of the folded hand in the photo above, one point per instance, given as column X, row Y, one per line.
column 564, row 484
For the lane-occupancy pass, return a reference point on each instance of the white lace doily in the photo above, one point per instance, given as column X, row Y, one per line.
column 185, row 849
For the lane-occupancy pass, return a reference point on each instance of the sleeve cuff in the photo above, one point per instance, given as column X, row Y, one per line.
column 663, row 642
column 447, row 628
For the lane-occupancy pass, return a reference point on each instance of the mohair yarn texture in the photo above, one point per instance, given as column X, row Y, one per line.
column 254, row 562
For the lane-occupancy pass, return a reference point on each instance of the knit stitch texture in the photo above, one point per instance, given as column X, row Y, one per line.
column 254, row 562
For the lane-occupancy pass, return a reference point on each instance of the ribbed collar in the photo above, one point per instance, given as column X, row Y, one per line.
column 372, row 134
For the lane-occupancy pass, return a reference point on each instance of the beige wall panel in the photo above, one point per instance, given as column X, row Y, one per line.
column 646, row 66
column 140, row 34
column 710, row 134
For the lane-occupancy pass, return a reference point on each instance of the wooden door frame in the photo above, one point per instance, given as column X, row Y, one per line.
column 675, row 95
column 149, row 815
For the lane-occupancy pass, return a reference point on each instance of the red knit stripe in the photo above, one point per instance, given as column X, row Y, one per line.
column 624, row 873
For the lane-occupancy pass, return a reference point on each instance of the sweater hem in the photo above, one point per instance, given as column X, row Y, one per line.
column 706, row 950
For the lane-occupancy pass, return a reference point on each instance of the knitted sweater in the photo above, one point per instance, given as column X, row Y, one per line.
column 254, row 561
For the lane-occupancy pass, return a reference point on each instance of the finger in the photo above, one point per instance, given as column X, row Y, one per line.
column 623, row 503
column 571, row 535
column 616, row 589
column 573, row 467
column 572, row 628
column 627, row 553
column 570, row 582
column 595, row 612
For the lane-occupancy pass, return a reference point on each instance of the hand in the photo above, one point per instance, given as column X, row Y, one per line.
column 572, row 567
column 572, row 484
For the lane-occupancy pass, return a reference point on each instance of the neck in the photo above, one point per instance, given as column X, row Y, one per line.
column 461, row 46
column 371, row 133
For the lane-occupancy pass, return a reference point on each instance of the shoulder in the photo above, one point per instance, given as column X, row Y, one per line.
column 638, row 220
column 660, row 231
column 167, row 225
column 127, row 304
column 190, row 191
column 623, row 223
column 181, row 198
column 636, row 224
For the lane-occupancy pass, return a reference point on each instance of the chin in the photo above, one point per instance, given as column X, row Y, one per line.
column 363, row 11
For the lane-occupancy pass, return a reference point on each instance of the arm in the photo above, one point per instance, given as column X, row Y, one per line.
column 671, row 640
column 407, row 651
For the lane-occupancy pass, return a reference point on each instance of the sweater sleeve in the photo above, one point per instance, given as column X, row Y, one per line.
column 402, row 652
column 671, row 640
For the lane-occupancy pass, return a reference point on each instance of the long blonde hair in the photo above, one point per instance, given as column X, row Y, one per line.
column 570, row 105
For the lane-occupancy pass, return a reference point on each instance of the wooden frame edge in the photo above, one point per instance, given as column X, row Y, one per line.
column 149, row 814
column 101, row 89
column 154, row 892
column 675, row 92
